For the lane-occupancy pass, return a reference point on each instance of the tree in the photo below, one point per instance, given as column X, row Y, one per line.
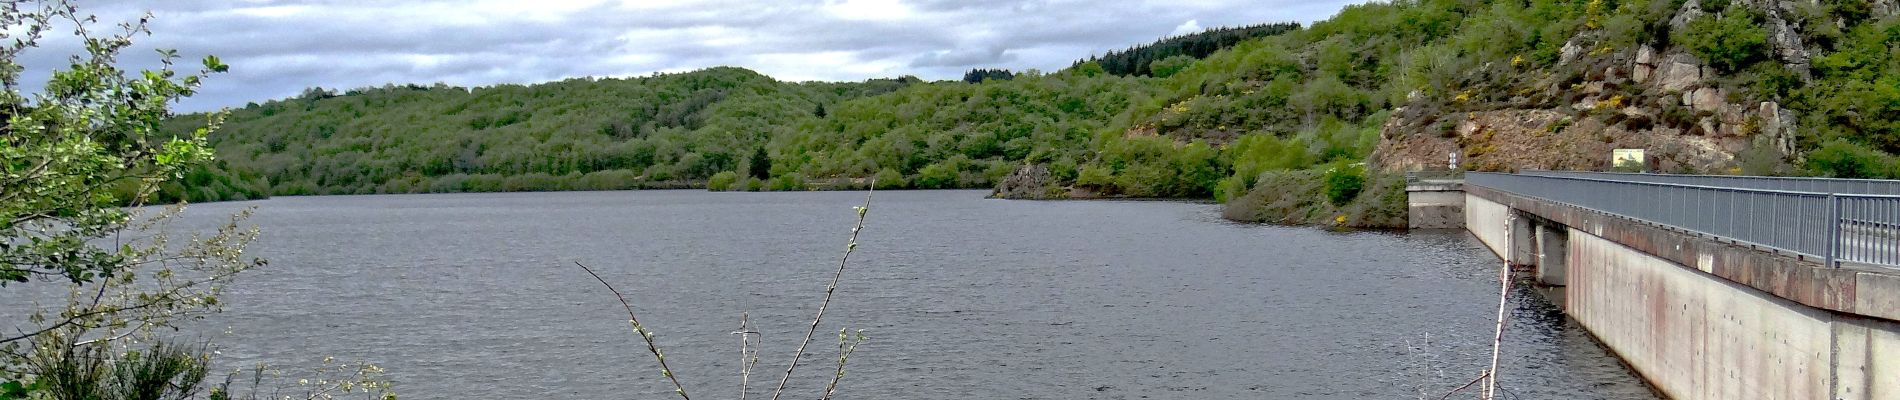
column 72, row 156
column 761, row 164
column 1169, row 66
column 1728, row 41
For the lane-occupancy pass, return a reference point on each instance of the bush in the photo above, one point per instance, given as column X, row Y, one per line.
column 1728, row 42
column 723, row 180
column 1168, row 66
column 889, row 179
column 1344, row 183
column 1843, row 159
column 941, row 175
column 791, row 181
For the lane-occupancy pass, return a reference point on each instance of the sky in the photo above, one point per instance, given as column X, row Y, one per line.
column 277, row 48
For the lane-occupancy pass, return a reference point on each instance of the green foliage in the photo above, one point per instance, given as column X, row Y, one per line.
column 68, row 370
column 1343, row 183
column 890, row 179
column 87, row 145
column 941, row 175
column 791, row 181
column 760, row 165
column 1301, row 197
column 1843, row 159
column 1138, row 60
column 980, row 75
column 1728, row 41
column 722, row 181
column 665, row 129
column 1166, row 67
column 95, row 280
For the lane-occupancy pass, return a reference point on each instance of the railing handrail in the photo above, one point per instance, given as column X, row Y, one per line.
column 1806, row 223
column 1760, row 177
column 1693, row 186
column 1852, row 186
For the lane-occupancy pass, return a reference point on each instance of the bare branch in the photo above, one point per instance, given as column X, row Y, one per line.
column 642, row 331
column 829, row 290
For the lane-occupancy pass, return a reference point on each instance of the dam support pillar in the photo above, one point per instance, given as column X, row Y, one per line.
column 1552, row 248
column 1523, row 251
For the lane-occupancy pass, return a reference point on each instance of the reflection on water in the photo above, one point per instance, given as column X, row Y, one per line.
column 475, row 296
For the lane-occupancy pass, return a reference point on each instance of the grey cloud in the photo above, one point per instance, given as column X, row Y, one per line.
column 278, row 47
column 963, row 57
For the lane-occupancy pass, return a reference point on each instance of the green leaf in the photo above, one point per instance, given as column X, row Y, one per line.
column 12, row 390
column 212, row 64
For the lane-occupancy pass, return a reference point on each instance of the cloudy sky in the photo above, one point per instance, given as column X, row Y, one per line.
column 278, row 48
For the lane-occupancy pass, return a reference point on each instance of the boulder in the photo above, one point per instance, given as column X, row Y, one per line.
column 1787, row 43
column 1679, row 73
column 1707, row 99
column 1569, row 52
column 1690, row 10
column 1645, row 64
column 1778, row 124
column 1027, row 182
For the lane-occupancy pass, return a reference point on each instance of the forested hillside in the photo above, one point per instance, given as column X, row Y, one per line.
column 1711, row 86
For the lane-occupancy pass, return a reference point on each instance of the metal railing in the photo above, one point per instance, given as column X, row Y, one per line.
column 1821, row 185
column 1833, row 227
column 1433, row 175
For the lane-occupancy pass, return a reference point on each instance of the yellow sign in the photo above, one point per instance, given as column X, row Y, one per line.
column 1627, row 159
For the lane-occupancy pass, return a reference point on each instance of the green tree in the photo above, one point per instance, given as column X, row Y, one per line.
column 1728, row 41
column 1166, row 67
column 71, row 158
column 761, row 164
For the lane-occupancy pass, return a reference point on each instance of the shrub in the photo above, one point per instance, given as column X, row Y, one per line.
column 890, row 179
column 941, row 175
column 1168, row 66
column 1344, row 183
column 791, row 181
column 723, row 180
column 1727, row 42
column 1843, row 159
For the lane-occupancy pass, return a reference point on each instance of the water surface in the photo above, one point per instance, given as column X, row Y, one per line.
column 476, row 296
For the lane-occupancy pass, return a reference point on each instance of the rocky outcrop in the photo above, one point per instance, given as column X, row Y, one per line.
column 1508, row 140
column 1030, row 181
column 1678, row 72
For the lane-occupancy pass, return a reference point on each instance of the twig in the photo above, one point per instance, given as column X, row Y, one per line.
column 748, row 356
column 1467, row 384
column 829, row 290
column 844, row 353
column 1497, row 342
column 642, row 331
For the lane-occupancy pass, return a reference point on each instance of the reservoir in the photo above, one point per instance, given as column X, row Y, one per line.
column 962, row 297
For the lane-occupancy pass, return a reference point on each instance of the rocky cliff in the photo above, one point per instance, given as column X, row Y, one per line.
column 1687, row 114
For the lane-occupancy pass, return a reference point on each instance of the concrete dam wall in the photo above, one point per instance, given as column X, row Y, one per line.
column 1702, row 319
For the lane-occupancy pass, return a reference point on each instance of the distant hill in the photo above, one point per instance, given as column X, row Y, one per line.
column 1776, row 86
column 1139, row 60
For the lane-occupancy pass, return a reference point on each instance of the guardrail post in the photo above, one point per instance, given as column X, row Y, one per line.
column 1833, row 229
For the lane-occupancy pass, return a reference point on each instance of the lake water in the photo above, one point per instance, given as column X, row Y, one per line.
column 476, row 296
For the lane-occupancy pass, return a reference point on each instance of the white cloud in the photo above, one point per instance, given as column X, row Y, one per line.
column 1191, row 26
column 276, row 48
column 869, row 10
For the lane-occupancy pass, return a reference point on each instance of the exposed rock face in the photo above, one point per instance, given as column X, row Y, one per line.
column 1680, row 72
column 1706, row 99
column 1569, row 52
column 1507, row 140
column 1778, row 124
column 1644, row 66
column 1027, row 182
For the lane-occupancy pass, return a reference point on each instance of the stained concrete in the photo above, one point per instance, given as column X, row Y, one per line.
column 1552, row 254
column 1435, row 205
column 1692, row 336
column 1704, row 319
